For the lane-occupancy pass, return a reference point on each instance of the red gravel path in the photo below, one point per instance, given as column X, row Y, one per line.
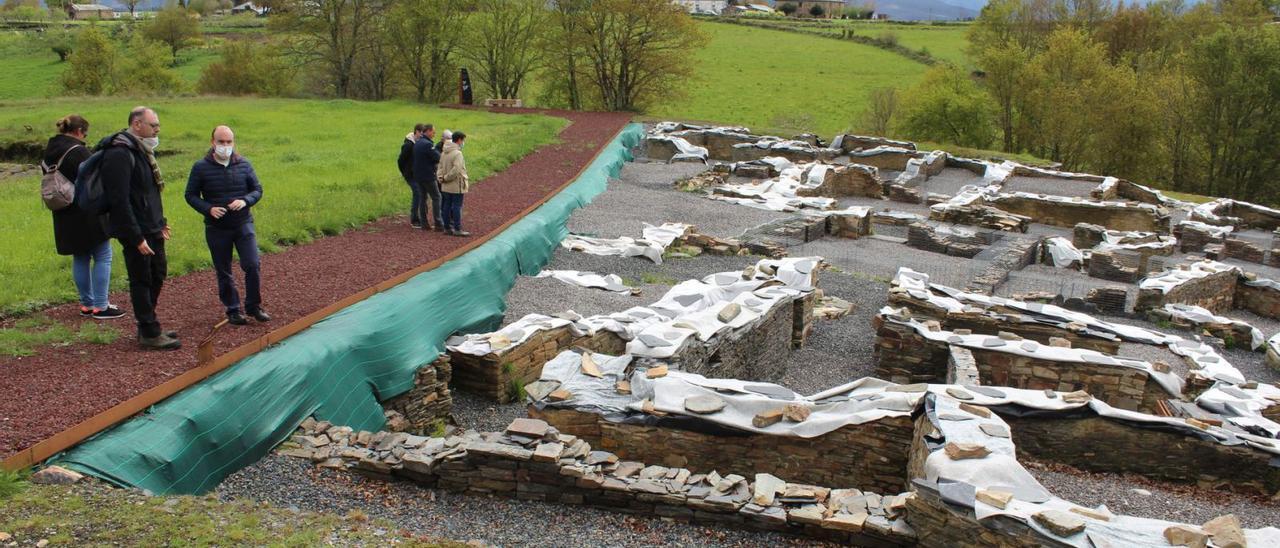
column 60, row 387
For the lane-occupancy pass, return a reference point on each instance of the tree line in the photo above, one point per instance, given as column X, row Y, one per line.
column 1184, row 97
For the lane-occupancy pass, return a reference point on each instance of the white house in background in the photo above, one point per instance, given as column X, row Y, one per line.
column 709, row 7
column 89, row 11
column 250, row 7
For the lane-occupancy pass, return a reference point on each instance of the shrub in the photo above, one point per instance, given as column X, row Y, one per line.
column 817, row 11
column 247, row 68
column 788, row 8
column 93, row 64
column 888, row 38
column 146, row 69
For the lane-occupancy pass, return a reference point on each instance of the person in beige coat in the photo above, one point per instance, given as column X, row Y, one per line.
column 454, row 184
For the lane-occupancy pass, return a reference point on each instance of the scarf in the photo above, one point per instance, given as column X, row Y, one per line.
column 128, row 141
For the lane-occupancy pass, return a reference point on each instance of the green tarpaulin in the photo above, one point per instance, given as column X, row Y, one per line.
column 340, row 368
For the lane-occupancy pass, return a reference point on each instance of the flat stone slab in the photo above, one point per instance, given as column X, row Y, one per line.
column 704, row 405
column 533, row 428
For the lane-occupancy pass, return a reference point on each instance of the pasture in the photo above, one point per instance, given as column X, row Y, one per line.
column 326, row 167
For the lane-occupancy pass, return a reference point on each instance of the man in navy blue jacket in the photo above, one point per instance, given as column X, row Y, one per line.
column 425, row 160
column 223, row 187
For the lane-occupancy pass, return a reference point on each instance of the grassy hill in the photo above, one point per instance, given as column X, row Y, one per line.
column 31, row 71
column 326, row 166
column 773, row 80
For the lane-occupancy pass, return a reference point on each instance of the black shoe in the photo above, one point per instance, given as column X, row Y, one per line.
column 160, row 342
column 111, row 312
column 462, row 233
column 236, row 318
column 260, row 315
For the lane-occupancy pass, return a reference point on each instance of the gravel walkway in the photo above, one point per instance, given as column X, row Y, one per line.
column 839, row 351
column 1049, row 185
column 951, row 180
column 878, row 259
column 1168, row 501
column 294, row 483
column 62, row 386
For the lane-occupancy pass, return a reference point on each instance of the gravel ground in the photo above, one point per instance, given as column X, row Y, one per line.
column 1049, row 185
column 1168, row 501
column 1066, row 282
column 1252, row 364
column 880, row 259
column 839, row 351
column 1152, row 353
column 294, row 483
column 643, row 193
column 950, row 181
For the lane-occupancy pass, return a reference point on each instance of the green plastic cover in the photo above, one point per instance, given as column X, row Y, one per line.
column 340, row 368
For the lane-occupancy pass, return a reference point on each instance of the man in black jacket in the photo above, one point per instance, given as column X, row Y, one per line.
column 132, row 181
column 222, row 187
column 418, row 209
column 425, row 160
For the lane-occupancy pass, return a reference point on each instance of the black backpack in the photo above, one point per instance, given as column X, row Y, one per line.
column 90, row 195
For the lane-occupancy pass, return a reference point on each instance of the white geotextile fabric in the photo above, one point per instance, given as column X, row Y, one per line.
column 1214, row 230
column 651, row 246
column 1169, row 279
column 688, row 309
column 1273, row 344
column 1109, row 182
column 1063, row 253
column 779, row 193
column 1032, row 349
column 1263, row 282
column 914, row 174
column 1206, row 210
column 1209, row 363
column 1243, row 406
column 1076, row 200
column 1199, row 315
column 590, row 280
column 684, row 149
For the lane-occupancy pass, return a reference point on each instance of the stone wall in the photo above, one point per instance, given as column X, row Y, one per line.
column 1243, row 250
column 906, row 195
column 498, row 375
column 905, row 356
column 1016, row 254
column 852, row 224
column 746, row 152
column 984, row 323
column 869, row 456
column 1215, row 292
column 1106, row 445
column 429, row 402
column 1192, row 239
column 756, row 352
column 948, row 242
column 532, row 461
column 847, row 180
column 1116, row 266
column 891, row 158
column 980, row 215
column 1259, row 299
column 1067, row 213
column 850, row 143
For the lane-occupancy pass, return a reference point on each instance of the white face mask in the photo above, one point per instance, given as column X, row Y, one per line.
column 223, row 151
column 151, row 142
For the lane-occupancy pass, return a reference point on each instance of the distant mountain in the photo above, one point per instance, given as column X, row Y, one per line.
column 925, row 10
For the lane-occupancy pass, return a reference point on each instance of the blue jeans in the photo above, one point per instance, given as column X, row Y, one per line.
column 452, row 209
column 244, row 241
column 418, row 208
column 93, row 282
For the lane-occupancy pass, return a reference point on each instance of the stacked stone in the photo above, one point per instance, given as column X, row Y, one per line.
column 428, row 403
column 710, row 245
column 1215, row 292
column 804, row 229
column 891, row 158
column 992, row 322
column 932, row 199
column 894, row 218
column 701, row 181
column 1192, row 239
column 1087, row 236
column 1109, row 300
column 981, row 215
column 533, row 461
column 494, row 375
column 951, row 526
column 870, row 456
column 659, row 148
column 755, row 170
column 961, row 368
column 757, row 351
column 1116, row 266
column 899, row 193
column 1016, row 254
column 1243, row 250
column 923, row 236
column 746, row 152
column 802, row 319
column 1233, row 334
column 1261, row 299
column 849, row 143
column 847, row 180
column 1069, row 213
column 852, row 225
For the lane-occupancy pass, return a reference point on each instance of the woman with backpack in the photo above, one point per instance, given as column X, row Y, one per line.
column 76, row 233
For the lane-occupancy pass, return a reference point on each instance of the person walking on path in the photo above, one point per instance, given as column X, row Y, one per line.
column 425, row 161
column 454, row 184
column 76, row 232
column 417, row 209
column 133, row 183
column 222, row 187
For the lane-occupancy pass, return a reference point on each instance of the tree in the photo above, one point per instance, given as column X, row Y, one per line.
column 878, row 119
column 145, row 69
column 60, row 39
column 788, row 8
column 374, row 66
column 946, row 106
column 175, row 27
column 92, row 66
column 501, row 43
column 424, row 35
column 245, row 67
column 565, row 67
column 817, row 10
column 1005, row 73
column 639, row 50
column 132, row 5
column 331, row 33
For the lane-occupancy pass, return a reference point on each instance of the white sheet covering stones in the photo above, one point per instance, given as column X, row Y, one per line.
column 654, row 241
column 592, row 280
column 1169, row 279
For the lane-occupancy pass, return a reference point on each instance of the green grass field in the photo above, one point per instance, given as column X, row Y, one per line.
column 32, row 72
column 944, row 42
column 326, row 166
column 782, row 82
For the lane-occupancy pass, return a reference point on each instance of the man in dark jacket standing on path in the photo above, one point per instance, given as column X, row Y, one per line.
column 222, row 187
column 418, row 209
column 132, row 181
column 425, row 160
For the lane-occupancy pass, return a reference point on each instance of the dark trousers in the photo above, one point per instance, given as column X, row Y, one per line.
column 452, row 205
column 146, row 276
column 418, row 208
column 244, row 241
column 432, row 189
